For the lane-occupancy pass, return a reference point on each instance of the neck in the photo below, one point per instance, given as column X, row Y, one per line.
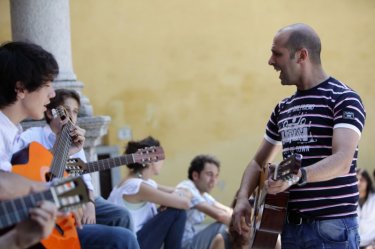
column 312, row 77
column 14, row 114
column 141, row 175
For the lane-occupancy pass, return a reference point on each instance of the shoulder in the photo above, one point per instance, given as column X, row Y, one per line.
column 186, row 184
column 130, row 186
column 209, row 198
column 338, row 90
column 32, row 134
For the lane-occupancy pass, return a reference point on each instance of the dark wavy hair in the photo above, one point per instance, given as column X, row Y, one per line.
column 59, row 99
column 370, row 187
column 198, row 162
column 26, row 63
column 133, row 146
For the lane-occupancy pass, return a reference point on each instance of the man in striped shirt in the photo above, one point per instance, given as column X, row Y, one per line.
column 323, row 121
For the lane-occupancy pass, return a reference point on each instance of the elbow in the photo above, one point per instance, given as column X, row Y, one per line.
column 347, row 164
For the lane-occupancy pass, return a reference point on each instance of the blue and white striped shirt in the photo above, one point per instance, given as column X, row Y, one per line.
column 304, row 123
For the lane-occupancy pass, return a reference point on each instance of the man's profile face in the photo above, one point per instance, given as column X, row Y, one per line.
column 206, row 180
column 282, row 60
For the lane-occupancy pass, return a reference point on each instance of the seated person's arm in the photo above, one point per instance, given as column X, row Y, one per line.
column 148, row 193
column 166, row 189
column 13, row 185
column 215, row 212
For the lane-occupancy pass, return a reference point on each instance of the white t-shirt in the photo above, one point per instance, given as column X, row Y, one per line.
column 194, row 216
column 9, row 133
column 366, row 216
column 142, row 211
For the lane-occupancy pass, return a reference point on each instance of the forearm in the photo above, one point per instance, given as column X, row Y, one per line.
column 344, row 144
column 166, row 189
column 328, row 168
column 13, row 240
column 13, row 185
column 249, row 180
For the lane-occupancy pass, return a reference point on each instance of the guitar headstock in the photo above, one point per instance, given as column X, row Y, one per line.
column 149, row 155
column 69, row 193
column 59, row 112
column 75, row 167
column 287, row 168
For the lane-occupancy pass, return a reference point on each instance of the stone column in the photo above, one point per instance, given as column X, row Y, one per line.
column 47, row 23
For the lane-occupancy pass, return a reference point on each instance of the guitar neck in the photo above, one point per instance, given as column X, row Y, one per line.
column 109, row 163
column 16, row 210
column 61, row 152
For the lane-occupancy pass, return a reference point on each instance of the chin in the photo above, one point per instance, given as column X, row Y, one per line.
column 38, row 116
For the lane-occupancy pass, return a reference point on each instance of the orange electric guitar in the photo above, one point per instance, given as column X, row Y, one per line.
column 37, row 163
column 76, row 166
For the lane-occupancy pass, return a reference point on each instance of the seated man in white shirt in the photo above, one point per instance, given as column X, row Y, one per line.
column 21, row 97
column 203, row 174
column 98, row 211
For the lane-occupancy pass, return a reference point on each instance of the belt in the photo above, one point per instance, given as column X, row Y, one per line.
column 297, row 218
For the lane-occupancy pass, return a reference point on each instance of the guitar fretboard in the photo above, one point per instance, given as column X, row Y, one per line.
column 109, row 163
column 16, row 210
column 61, row 152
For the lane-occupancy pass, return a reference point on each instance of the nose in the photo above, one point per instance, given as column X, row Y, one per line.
column 271, row 61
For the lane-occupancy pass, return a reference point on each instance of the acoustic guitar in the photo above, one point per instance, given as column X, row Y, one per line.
column 37, row 163
column 76, row 166
column 66, row 194
column 269, row 211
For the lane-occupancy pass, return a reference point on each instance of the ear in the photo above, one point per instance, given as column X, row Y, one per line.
column 20, row 90
column 195, row 175
column 302, row 55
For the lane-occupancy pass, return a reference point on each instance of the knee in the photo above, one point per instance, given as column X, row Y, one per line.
column 123, row 238
column 180, row 213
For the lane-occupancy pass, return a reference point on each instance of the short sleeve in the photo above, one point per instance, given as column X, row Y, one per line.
column 349, row 112
column 272, row 130
column 197, row 198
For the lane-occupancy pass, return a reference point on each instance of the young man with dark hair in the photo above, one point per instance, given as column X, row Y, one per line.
column 203, row 174
column 26, row 74
column 104, row 224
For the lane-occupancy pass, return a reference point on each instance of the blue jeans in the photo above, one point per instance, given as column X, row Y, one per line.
column 166, row 227
column 110, row 214
column 106, row 237
column 203, row 239
column 324, row 234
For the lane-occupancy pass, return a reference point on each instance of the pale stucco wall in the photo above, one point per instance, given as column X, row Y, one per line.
column 194, row 74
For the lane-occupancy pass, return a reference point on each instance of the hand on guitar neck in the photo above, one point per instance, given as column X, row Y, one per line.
column 62, row 125
column 279, row 182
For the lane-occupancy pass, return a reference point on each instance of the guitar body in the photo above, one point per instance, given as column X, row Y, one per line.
column 269, row 211
column 269, row 215
column 33, row 163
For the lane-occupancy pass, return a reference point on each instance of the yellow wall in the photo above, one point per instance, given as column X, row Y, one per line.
column 194, row 73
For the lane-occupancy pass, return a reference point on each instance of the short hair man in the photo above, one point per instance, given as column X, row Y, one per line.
column 203, row 174
column 323, row 121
